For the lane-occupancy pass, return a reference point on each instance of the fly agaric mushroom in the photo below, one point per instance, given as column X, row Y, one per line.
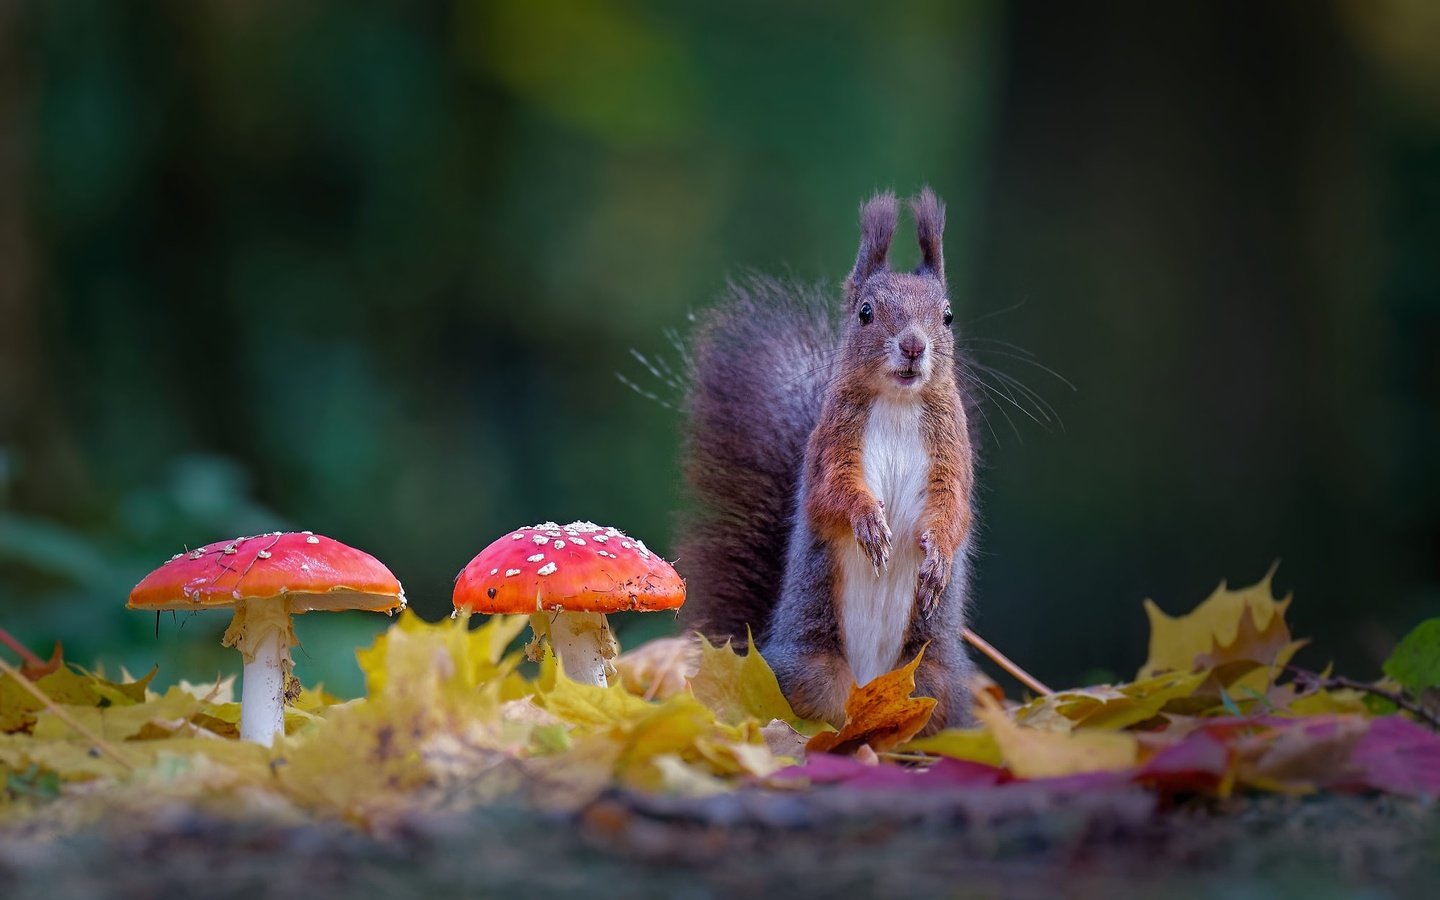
column 266, row 579
column 579, row 571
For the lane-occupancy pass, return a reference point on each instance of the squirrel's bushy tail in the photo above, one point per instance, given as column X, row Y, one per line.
column 760, row 361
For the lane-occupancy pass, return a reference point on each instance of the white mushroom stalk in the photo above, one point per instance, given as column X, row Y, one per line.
column 263, row 633
column 583, row 643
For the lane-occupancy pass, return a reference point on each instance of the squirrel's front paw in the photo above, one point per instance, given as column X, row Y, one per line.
column 873, row 534
column 934, row 576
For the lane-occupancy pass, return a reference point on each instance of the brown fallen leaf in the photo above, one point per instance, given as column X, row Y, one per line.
column 881, row 714
column 1301, row 755
column 783, row 740
column 660, row 668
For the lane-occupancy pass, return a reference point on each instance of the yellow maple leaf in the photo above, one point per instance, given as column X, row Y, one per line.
column 673, row 775
column 646, row 745
column 738, row 688
column 1233, row 632
column 72, row 760
column 672, row 727
column 68, row 685
column 1110, row 707
column 739, row 757
column 588, row 705
column 432, row 725
column 1032, row 753
column 1344, row 701
column 972, row 744
column 477, row 655
column 120, row 723
column 882, row 714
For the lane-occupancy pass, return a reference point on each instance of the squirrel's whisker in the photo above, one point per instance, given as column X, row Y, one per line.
column 648, row 395
column 1005, row 392
column 984, row 417
column 993, row 313
column 990, row 390
column 974, row 339
column 1029, row 394
column 1009, row 398
column 1033, row 362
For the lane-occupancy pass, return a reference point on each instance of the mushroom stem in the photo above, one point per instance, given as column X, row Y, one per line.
column 584, row 644
column 262, row 700
column 263, row 633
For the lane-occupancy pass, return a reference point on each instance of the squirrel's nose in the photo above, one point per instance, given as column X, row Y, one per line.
column 912, row 345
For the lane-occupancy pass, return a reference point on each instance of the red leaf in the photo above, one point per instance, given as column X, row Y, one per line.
column 1399, row 756
column 1199, row 762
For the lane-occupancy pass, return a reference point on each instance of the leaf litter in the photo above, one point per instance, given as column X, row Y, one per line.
column 454, row 720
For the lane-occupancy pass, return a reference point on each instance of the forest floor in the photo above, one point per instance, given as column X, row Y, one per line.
column 842, row 842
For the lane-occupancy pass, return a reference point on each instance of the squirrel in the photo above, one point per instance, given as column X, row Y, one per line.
column 833, row 464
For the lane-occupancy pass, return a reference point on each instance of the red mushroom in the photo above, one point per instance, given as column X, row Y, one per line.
column 266, row 579
column 580, row 572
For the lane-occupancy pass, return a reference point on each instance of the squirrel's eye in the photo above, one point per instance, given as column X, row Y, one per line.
column 867, row 313
column 949, row 317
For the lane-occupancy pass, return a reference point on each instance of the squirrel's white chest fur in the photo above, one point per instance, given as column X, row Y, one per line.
column 875, row 610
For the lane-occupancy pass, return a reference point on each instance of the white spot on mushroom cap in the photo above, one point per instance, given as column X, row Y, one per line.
column 547, row 569
column 540, row 539
column 263, row 554
column 600, row 538
column 536, row 558
column 559, row 545
column 511, row 572
column 312, row 539
column 577, row 540
column 303, row 532
column 494, row 571
column 517, row 535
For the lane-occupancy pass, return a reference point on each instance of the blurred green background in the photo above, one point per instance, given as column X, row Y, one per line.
column 371, row 269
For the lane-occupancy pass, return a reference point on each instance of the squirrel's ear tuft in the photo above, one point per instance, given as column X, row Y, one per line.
column 877, row 228
column 929, row 214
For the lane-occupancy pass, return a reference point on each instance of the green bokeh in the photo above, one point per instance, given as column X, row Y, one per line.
column 372, row 269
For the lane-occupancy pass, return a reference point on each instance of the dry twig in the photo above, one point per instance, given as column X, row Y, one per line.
column 100, row 743
column 1336, row 681
column 1004, row 662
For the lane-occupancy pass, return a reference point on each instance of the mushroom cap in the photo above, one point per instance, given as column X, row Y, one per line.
column 579, row 567
column 308, row 570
